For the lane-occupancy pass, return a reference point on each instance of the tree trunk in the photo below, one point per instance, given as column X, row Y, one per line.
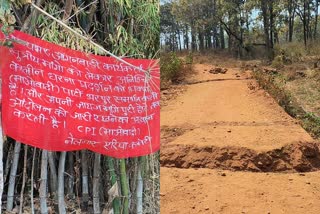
column 13, row 173
column 316, row 19
column 304, row 21
column 271, row 23
column 43, row 183
column 61, row 202
column 291, row 11
column 201, row 40
column 266, row 27
column 221, row 32
column 186, row 37
column 179, row 38
column 309, row 29
column 193, row 39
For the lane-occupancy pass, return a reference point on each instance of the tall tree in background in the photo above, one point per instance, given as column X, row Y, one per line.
column 267, row 14
column 243, row 24
column 291, row 8
column 82, row 181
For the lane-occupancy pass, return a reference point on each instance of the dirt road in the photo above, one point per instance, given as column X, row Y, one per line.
column 227, row 147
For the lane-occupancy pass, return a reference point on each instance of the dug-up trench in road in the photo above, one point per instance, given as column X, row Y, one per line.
column 233, row 125
column 224, row 124
column 300, row 157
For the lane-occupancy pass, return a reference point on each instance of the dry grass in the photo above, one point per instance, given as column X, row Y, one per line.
column 307, row 93
column 297, row 91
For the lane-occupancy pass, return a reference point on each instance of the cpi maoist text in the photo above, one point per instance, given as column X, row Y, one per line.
column 59, row 99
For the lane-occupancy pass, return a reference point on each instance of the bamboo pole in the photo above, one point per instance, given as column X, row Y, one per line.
column 61, row 202
column 53, row 175
column 13, row 173
column 1, row 149
column 24, row 177
column 139, row 191
column 43, row 183
column 124, row 187
column 1, row 154
column 8, row 163
column 88, row 39
column 70, row 185
column 85, row 179
column 32, row 180
column 96, row 183
column 113, row 176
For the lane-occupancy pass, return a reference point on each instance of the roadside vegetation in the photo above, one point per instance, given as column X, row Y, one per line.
column 174, row 67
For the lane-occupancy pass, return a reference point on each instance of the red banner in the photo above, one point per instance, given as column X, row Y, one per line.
column 59, row 99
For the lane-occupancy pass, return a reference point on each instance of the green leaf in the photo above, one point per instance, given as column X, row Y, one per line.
column 4, row 5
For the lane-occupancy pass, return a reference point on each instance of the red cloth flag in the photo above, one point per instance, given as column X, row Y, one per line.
column 59, row 99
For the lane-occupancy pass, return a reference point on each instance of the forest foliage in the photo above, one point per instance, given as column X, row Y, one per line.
column 244, row 27
column 38, row 181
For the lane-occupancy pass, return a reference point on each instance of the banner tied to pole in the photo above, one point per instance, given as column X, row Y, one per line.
column 59, row 99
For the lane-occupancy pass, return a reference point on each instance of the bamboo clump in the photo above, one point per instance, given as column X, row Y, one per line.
column 79, row 181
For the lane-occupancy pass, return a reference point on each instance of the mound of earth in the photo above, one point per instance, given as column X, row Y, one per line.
column 299, row 157
column 218, row 70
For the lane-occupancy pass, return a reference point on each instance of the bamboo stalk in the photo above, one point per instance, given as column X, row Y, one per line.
column 1, row 158
column 70, row 184
column 61, row 202
column 82, row 17
column 23, row 177
column 53, row 175
column 43, row 183
column 13, row 173
column 113, row 176
column 124, row 186
column 8, row 164
column 139, row 191
column 85, row 179
column 90, row 16
column 134, row 181
column 77, row 179
column 88, row 39
column 32, row 180
column 67, row 10
column 96, row 183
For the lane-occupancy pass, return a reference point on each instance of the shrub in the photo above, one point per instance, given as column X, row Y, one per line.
column 313, row 48
column 291, row 52
column 189, row 58
column 170, row 67
column 278, row 62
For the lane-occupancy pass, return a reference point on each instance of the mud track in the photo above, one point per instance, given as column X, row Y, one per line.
column 234, row 125
column 217, row 133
